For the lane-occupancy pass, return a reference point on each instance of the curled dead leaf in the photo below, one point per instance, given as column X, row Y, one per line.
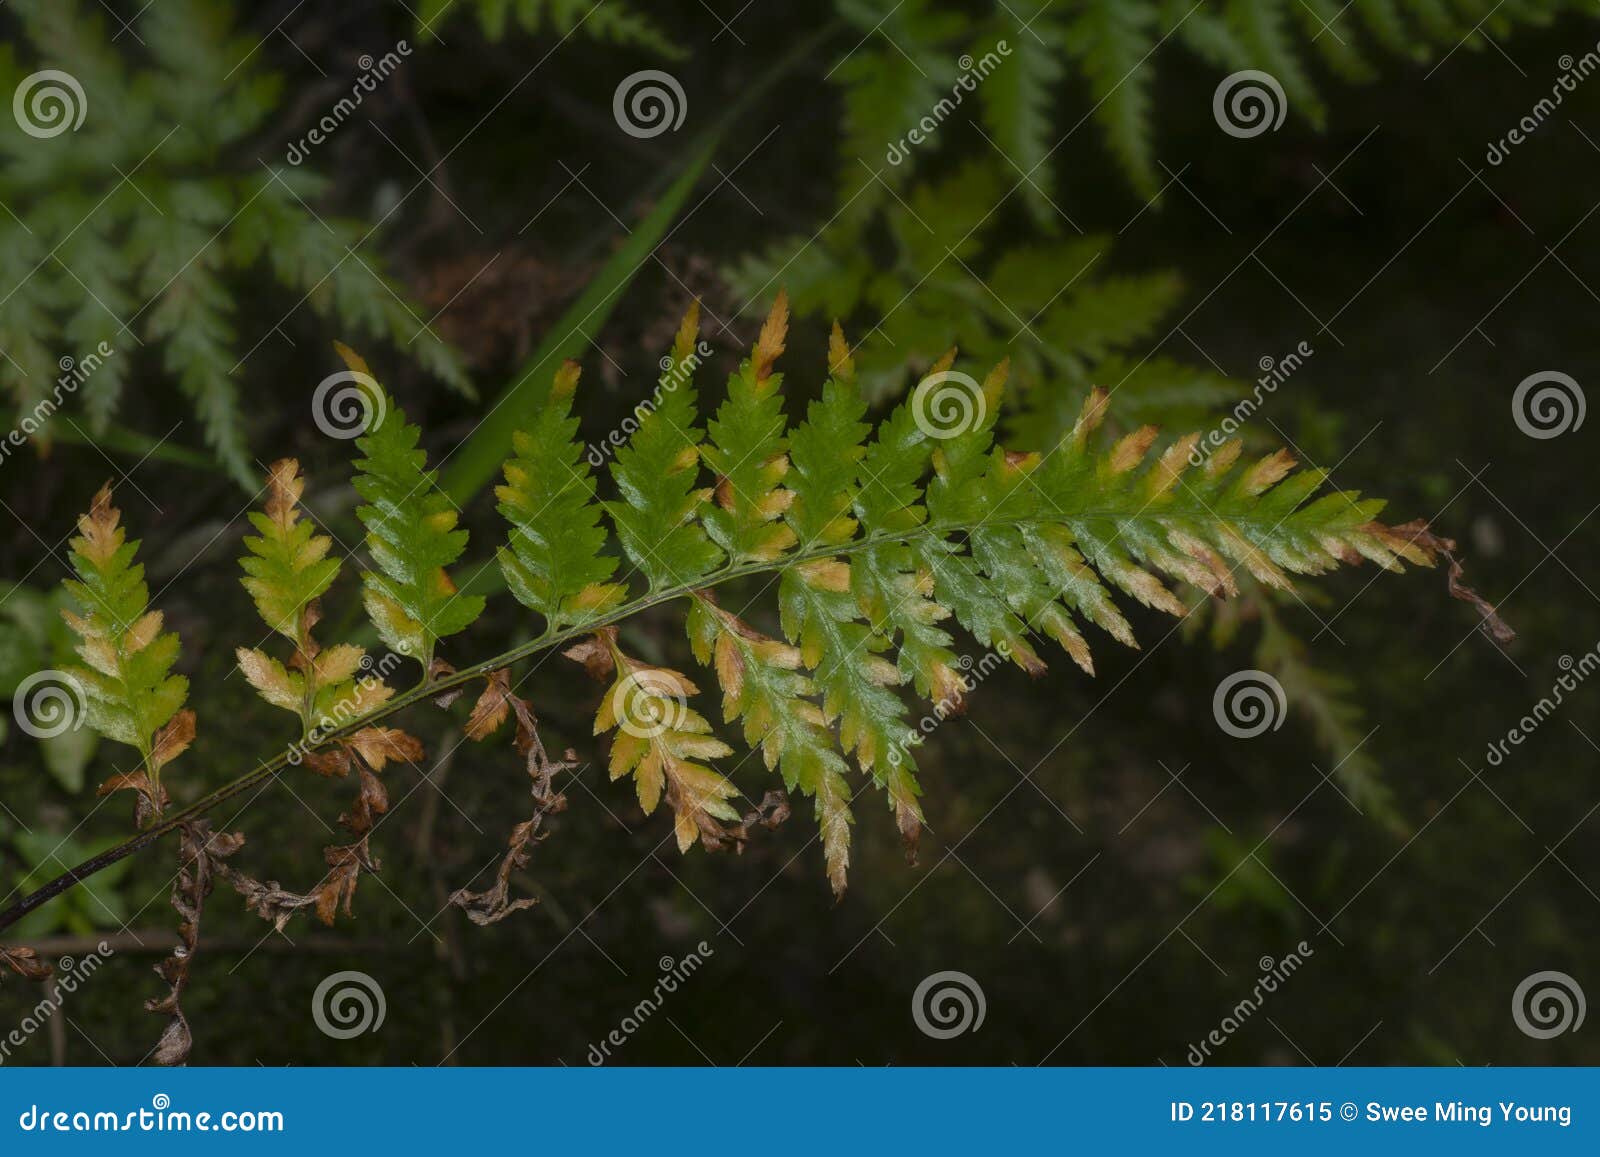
column 378, row 745
column 25, row 963
column 492, row 707
column 594, row 653
column 1418, row 532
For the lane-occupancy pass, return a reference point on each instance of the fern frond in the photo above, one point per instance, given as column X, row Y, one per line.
column 745, row 454
column 765, row 688
column 286, row 572
column 288, row 568
column 1111, row 41
column 1006, row 544
column 898, row 75
column 555, row 562
column 891, row 82
column 141, row 226
column 885, row 542
column 660, row 741
column 882, row 544
column 820, row 611
column 130, row 693
column 657, row 473
column 1017, row 97
column 411, row 532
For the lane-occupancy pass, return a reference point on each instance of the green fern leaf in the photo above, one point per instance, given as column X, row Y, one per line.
column 764, row 686
column 411, row 532
column 657, row 473
column 892, row 80
column 130, row 693
column 745, row 454
column 820, row 613
column 1111, row 42
column 1017, row 97
column 141, row 221
column 288, row 568
column 286, row 572
column 555, row 562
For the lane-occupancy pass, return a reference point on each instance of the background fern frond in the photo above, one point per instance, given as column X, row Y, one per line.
column 140, row 229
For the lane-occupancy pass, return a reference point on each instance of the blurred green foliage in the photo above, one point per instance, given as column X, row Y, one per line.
column 141, row 226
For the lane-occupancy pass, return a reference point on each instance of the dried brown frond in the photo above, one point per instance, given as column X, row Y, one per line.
column 493, row 705
column 201, row 853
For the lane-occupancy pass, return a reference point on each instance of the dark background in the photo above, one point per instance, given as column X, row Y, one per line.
column 1110, row 914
